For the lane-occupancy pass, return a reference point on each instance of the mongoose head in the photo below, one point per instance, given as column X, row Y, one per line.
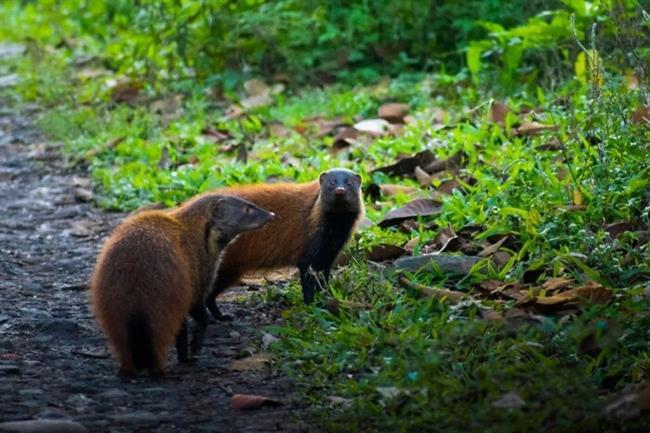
column 230, row 216
column 340, row 190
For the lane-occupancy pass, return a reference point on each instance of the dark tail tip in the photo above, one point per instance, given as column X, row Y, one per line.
column 140, row 341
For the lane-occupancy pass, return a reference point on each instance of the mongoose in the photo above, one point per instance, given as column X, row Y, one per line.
column 155, row 268
column 313, row 222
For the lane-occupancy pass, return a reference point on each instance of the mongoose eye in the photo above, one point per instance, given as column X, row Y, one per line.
column 349, row 182
column 332, row 182
column 248, row 210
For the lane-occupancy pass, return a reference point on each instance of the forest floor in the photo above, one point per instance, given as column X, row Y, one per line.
column 54, row 364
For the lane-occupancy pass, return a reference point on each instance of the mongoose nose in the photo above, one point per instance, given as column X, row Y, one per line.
column 339, row 191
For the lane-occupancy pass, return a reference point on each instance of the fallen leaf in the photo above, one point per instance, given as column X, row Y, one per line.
column 373, row 126
column 533, row 128
column 452, row 296
column 345, row 137
column 592, row 293
column 492, row 285
column 383, row 252
column 557, row 283
column 618, row 228
column 413, row 209
column 255, row 101
column 393, row 111
column 491, row 315
column 498, row 112
column 256, row 87
column 279, row 130
column 500, row 258
column 126, row 91
column 259, row 361
column 411, row 244
column 491, row 249
column 510, row 400
column 406, row 166
column 423, row 177
column 452, row 163
column 443, row 241
column 448, row 186
column 215, row 134
column 389, row 190
column 250, row 401
column 641, row 115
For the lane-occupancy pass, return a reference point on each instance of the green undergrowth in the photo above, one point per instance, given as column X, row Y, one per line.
column 372, row 356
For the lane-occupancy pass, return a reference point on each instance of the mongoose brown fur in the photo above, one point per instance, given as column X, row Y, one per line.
column 154, row 269
column 313, row 222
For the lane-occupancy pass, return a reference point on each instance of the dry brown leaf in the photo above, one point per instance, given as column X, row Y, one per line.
column 641, row 115
column 491, row 249
column 413, row 209
column 406, row 166
column 422, row 176
column 448, row 186
column 390, row 190
column 557, row 283
column 491, row 315
column 452, row 163
column 533, row 128
column 345, row 137
column 383, row 252
column 126, row 91
column 411, row 244
column 498, row 112
column 500, row 258
column 618, row 228
column 393, row 111
column 259, row 361
column 446, row 239
column 492, row 285
column 592, row 293
column 250, row 401
column 255, row 101
column 452, row 296
column 215, row 134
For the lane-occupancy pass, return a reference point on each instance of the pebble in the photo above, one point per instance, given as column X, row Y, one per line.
column 42, row 426
column 136, row 418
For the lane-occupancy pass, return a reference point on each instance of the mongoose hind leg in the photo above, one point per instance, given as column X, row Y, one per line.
column 182, row 347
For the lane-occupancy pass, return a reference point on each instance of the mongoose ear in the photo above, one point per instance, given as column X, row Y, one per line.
column 358, row 178
column 321, row 178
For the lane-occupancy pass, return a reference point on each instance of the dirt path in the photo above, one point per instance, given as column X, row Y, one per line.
column 53, row 360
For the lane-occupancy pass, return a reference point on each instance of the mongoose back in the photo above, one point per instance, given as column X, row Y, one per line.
column 313, row 222
column 154, row 269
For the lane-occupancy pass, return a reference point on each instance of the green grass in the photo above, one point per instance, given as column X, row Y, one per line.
column 402, row 363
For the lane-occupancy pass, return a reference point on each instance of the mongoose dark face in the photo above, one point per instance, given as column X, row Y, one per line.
column 340, row 190
column 232, row 215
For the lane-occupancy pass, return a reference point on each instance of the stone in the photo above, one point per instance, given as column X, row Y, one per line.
column 42, row 426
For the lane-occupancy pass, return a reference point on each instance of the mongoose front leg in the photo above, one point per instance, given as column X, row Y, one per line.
column 200, row 316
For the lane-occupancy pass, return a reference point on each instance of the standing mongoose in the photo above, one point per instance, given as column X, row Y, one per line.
column 155, row 268
column 313, row 222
